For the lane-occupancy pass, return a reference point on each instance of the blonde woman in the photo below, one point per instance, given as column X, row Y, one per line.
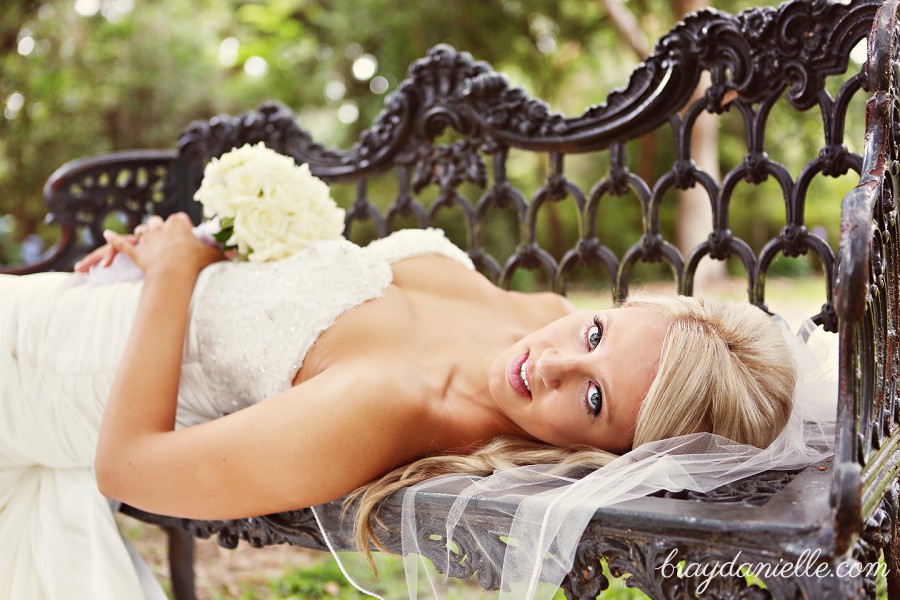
column 202, row 387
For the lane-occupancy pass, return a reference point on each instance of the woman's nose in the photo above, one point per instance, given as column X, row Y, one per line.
column 554, row 365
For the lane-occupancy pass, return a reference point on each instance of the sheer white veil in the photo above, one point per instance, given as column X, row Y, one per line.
column 549, row 512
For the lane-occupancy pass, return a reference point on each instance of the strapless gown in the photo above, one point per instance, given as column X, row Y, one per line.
column 60, row 342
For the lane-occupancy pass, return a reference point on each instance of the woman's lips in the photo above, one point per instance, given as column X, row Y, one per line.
column 514, row 376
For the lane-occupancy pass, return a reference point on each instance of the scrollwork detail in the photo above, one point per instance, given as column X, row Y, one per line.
column 752, row 491
column 793, row 240
column 756, row 167
column 652, row 247
column 720, row 244
column 449, row 166
column 835, row 160
column 685, row 172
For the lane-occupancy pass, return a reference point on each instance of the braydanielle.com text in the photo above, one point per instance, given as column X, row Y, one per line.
column 807, row 564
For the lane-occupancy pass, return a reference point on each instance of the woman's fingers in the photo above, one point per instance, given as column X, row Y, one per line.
column 183, row 218
column 113, row 249
column 84, row 265
column 125, row 243
column 110, row 250
column 109, row 256
column 121, row 243
column 103, row 255
column 152, row 242
column 178, row 221
column 154, row 223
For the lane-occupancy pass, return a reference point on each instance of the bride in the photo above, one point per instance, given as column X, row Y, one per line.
column 194, row 392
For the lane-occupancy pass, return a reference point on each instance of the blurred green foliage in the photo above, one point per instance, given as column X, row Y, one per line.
column 82, row 77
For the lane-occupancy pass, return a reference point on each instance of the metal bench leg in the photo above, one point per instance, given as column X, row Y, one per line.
column 181, row 563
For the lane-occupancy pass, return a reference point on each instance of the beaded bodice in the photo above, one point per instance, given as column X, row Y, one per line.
column 254, row 323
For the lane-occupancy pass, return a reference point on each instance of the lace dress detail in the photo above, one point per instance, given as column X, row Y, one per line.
column 409, row 243
column 256, row 322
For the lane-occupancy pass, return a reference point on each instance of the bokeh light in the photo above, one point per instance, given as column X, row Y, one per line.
column 335, row 90
column 348, row 113
column 14, row 104
column 228, row 51
column 364, row 67
column 379, row 85
column 256, row 66
column 26, row 45
column 87, row 8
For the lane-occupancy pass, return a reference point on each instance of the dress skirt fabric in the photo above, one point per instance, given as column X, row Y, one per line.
column 59, row 345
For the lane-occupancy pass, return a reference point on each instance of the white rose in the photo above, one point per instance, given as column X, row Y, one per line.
column 283, row 197
column 242, row 183
column 258, row 227
column 270, row 166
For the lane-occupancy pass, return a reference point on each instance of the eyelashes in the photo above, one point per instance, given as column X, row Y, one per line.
column 593, row 396
column 594, row 333
column 593, row 400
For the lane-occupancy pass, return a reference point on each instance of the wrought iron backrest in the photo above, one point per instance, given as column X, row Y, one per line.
column 753, row 58
column 756, row 59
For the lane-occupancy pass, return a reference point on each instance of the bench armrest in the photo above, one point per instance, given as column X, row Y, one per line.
column 83, row 193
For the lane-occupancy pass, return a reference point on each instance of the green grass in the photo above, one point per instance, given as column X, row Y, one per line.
column 325, row 581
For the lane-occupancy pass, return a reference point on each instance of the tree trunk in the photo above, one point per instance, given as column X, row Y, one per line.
column 694, row 209
column 627, row 25
column 695, row 218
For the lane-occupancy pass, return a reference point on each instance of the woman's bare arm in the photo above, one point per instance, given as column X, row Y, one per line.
column 308, row 445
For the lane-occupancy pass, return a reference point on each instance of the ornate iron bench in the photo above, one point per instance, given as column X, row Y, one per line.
column 757, row 60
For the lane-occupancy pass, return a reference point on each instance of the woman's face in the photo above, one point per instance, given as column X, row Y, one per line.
column 581, row 379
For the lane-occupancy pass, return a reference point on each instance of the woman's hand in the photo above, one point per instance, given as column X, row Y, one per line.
column 165, row 244
column 105, row 254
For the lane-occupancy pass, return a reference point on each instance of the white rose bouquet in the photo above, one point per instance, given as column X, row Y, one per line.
column 260, row 206
column 264, row 206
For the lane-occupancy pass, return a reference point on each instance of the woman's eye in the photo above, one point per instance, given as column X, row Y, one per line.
column 595, row 399
column 595, row 333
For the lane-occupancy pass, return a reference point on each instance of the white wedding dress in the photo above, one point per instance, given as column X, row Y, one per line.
column 60, row 341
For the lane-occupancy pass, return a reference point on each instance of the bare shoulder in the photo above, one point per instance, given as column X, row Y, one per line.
column 439, row 274
column 555, row 303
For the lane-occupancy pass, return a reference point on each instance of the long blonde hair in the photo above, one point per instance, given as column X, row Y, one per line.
column 724, row 369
